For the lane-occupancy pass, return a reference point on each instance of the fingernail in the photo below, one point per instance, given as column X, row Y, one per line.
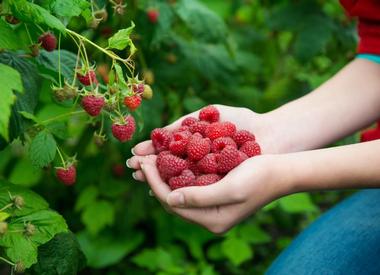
column 175, row 199
column 127, row 163
column 151, row 193
column 133, row 151
column 134, row 175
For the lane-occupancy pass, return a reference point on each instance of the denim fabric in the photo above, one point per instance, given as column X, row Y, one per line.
column 345, row 240
column 372, row 57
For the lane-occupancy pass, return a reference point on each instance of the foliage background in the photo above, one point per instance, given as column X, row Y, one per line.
column 257, row 54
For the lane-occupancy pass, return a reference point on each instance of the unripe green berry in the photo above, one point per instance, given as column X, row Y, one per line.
column 148, row 92
column 18, row 201
column 3, row 228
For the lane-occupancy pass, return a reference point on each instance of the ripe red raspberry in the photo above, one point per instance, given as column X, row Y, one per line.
column 209, row 114
column 228, row 159
column 207, row 179
column 138, row 88
column 251, row 148
column 193, row 166
column 161, row 138
column 369, row 135
column 124, row 130
column 183, row 128
column 179, row 143
column 220, row 129
column 132, row 102
column 118, row 170
column 220, row 143
column 242, row 136
column 88, row 78
column 48, row 41
column 185, row 179
column 243, row 156
column 170, row 166
column 66, row 175
column 93, row 104
column 208, row 164
column 197, row 148
column 153, row 15
column 189, row 121
column 199, row 127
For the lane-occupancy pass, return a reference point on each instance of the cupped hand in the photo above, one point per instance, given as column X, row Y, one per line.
column 221, row 205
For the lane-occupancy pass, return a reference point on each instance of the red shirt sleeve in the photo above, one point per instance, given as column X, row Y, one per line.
column 368, row 14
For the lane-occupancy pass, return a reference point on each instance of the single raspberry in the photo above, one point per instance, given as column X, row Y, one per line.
column 230, row 128
column 209, row 114
column 251, row 148
column 183, row 128
column 160, row 155
column 148, row 92
column 138, row 88
column 48, row 41
column 4, row 227
column 208, row 164
column 220, row 143
column 93, row 104
column 66, row 175
column 179, row 143
column 132, row 102
column 369, row 135
column 220, row 129
column 243, row 156
column 18, row 201
column 197, row 148
column 88, row 78
column 124, row 130
column 118, row 170
column 189, row 121
column 193, row 166
column 171, row 166
column 161, row 138
column 242, row 136
column 153, row 15
column 185, row 179
column 207, row 179
column 229, row 158
column 199, row 127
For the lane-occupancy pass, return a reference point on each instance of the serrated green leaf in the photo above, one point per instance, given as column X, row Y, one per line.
column 236, row 250
column 87, row 196
column 4, row 216
column 8, row 38
column 58, row 129
column 42, row 149
column 62, row 255
column 297, row 203
column 98, row 215
column 29, row 116
column 19, row 247
column 10, row 80
column 68, row 8
column 33, row 13
column 105, row 250
column 120, row 74
column 32, row 201
column 121, row 40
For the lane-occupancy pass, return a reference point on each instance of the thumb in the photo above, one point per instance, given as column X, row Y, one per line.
column 219, row 193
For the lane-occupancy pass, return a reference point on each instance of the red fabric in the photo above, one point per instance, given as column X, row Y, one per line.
column 368, row 13
column 371, row 134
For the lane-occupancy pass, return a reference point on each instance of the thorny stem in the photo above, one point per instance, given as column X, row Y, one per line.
column 6, row 206
column 7, row 261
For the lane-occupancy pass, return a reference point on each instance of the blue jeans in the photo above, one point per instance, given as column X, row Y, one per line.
column 345, row 240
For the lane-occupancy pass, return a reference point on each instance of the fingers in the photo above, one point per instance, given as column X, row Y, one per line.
column 159, row 188
column 139, row 176
column 220, row 193
column 144, row 148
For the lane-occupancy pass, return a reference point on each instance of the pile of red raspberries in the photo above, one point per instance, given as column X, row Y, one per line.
column 202, row 151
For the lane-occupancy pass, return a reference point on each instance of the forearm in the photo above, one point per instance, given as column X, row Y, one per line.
column 346, row 103
column 351, row 166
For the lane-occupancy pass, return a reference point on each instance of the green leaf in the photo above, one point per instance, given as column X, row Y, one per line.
column 33, row 202
column 68, row 8
column 154, row 259
column 98, row 215
column 236, row 250
column 24, row 173
column 35, row 14
column 4, row 216
column 86, row 197
column 105, row 250
column 62, row 255
column 121, row 40
column 29, row 116
column 10, row 80
column 19, row 247
column 252, row 233
column 42, row 149
column 8, row 39
column 193, row 103
column 297, row 203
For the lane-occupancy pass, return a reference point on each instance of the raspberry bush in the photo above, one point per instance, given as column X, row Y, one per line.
column 81, row 82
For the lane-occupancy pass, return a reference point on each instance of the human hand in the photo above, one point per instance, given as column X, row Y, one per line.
column 219, row 206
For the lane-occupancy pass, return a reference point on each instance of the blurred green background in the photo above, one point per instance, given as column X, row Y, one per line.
column 256, row 54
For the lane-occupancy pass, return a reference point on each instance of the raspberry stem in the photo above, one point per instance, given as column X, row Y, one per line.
column 59, row 60
column 61, row 157
column 61, row 116
column 7, row 261
column 6, row 206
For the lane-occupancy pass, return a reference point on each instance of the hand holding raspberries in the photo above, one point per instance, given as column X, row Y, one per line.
column 203, row 150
